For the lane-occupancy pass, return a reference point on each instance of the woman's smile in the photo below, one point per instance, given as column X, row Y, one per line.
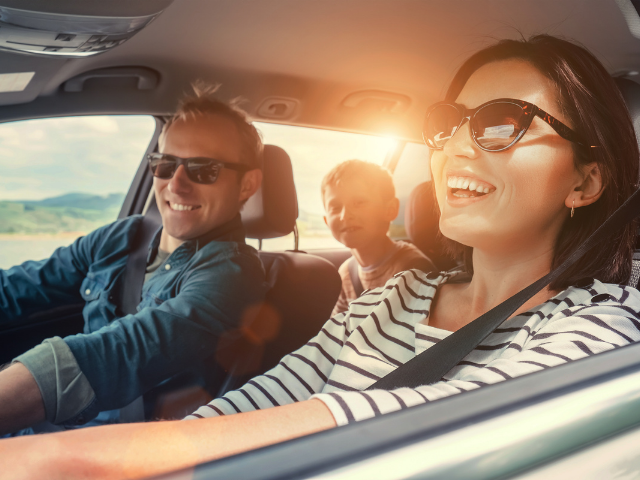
column 465, row 189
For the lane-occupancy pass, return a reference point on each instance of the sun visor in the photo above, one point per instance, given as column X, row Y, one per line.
column 70, row 28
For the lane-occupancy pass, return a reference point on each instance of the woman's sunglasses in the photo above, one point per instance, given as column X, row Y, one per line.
column 495, row 125
column 199, row 169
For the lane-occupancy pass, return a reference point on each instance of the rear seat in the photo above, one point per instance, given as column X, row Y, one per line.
column 631, row 93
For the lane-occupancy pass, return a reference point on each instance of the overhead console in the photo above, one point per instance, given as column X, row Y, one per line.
column 73, row 28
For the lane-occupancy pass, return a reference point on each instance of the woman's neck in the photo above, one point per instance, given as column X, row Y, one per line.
column 496, row 277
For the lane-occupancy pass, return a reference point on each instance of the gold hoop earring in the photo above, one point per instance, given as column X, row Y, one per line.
column 572, row 208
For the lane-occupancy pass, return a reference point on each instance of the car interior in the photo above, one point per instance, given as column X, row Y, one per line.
column 357, row 66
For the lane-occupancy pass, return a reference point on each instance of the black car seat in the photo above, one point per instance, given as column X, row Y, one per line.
column 631, row 93
column 303, row 287
column 421, row 219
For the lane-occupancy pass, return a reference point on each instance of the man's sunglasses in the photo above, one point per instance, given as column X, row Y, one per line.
column 199, row 169
column 495, row 125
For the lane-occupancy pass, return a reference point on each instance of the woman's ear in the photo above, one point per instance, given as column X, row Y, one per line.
column 589, row 190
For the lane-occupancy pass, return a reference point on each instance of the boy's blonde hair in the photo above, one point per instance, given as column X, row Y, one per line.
column 203, row 102
column 379, row 177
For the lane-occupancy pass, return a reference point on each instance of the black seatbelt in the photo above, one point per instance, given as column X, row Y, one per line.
column 131, row 294
column 432, row 364
column 137, row 266
column 355, row 276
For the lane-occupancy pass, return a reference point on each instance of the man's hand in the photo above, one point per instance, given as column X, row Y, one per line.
column 21, row 404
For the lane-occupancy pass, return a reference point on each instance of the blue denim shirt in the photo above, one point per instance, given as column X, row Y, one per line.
column 202, row 289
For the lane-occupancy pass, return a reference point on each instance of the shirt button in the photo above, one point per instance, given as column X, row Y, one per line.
column 87, row 291
column 603, row 297
column 167, row 267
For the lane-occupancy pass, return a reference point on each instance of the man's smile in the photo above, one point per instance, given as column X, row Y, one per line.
column 180, row 207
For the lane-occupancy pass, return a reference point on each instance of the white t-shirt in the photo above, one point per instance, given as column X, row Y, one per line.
column 384, row 328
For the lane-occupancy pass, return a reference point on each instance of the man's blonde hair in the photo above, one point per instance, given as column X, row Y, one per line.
column 202, row 102
column 379, row 177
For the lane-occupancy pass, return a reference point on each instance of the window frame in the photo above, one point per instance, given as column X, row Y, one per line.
column 137, row 196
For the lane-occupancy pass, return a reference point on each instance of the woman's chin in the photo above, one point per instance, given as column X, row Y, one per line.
column 465, row 236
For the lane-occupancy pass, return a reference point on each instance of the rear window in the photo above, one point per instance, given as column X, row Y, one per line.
column 313, row 153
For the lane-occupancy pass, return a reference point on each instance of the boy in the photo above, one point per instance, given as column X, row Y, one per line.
column 360, row 202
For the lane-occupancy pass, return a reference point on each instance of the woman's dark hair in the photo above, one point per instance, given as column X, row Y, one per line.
column 590, row 98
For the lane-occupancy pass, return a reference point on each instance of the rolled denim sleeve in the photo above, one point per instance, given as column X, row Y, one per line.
column 134, row 353
column 64, row 388
column 40, row 285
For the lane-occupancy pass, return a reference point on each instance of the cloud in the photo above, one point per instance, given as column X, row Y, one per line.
column 95, row 123
column 94, row 154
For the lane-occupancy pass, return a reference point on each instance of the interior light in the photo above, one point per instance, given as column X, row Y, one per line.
column 73, row 33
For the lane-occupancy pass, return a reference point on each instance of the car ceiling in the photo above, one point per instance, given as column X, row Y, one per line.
column 317, row 53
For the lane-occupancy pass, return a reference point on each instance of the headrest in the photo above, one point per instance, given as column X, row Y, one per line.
column 421, row 219
column 273, row 210
column 631, row 93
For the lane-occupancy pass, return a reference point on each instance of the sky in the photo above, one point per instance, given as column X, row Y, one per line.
column 49, row 157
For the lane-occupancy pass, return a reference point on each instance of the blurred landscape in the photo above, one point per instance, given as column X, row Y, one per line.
column 73, row 212
column 33, row 229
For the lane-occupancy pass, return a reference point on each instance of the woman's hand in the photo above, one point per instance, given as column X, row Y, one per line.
column 140, row 450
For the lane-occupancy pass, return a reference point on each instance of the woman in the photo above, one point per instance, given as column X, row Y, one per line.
column 532, row 150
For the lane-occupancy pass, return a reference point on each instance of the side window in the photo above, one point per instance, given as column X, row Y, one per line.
column 64, row 177
column 412, row 169
column 313, row 153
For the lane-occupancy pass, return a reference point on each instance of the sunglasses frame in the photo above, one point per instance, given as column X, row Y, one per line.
column 239, row 167
column 529, row 112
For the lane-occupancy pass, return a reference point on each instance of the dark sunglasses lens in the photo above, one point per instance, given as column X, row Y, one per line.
column 162, row 166
column 203, row 170
column 440, row 125
column 497, row 126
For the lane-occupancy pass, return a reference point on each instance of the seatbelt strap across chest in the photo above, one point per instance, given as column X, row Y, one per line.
column 432, row 364
column 136, row 266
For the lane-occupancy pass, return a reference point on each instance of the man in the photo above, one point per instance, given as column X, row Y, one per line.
column 200, row 279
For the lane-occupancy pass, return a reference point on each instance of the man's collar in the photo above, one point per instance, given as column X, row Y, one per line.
column 231, row 231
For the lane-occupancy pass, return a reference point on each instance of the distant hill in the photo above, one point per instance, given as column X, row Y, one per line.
column 85, row 201
column 72, row 212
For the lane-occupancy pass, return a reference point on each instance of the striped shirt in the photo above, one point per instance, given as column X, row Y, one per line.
column 388, row 326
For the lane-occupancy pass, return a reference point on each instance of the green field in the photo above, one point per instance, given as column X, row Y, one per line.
column 74, row 212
